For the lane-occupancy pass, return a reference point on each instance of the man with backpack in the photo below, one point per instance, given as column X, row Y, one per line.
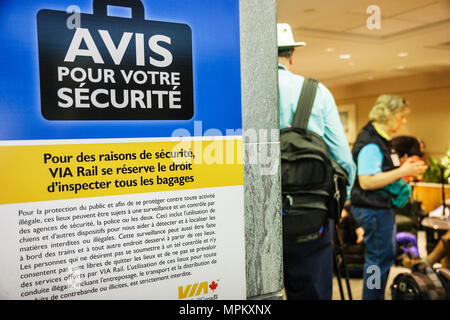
column 314, row 150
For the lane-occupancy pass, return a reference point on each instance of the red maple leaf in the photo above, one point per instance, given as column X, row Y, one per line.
column 213, row 286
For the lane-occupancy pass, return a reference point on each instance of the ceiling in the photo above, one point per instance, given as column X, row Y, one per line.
column 414, row 37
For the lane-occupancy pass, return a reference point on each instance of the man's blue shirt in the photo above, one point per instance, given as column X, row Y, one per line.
column 324, row 120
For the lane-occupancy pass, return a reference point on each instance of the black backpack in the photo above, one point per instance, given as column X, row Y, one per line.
column 313, row 184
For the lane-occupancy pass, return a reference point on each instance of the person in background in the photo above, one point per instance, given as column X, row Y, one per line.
column 441, row 251
column 378, row 167
column 308, row 266
column 407, row 147
column 356, row 232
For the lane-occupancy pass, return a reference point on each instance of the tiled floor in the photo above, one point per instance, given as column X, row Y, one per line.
column 357, row 284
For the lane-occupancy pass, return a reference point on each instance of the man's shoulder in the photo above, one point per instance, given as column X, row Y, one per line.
column 293, row 83
column 287, row 75
column 290, row 83
column 322, row 90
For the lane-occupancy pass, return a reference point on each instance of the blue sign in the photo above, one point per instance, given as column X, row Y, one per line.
column 82, row 69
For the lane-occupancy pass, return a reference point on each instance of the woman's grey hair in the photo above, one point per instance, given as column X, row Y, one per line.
column 385, row 105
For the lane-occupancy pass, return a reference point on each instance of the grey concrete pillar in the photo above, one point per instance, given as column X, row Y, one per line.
column 261, row 158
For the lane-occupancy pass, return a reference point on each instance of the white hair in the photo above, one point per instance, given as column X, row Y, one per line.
column 386, row 105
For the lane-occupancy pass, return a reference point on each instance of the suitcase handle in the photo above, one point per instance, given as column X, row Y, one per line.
column 138, row 12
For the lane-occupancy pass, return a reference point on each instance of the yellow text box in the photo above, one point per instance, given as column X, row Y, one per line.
column 54, row 172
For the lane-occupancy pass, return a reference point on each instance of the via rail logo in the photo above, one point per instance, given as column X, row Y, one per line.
column 199, row 291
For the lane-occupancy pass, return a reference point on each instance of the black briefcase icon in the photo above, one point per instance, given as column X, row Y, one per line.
column 113, row 68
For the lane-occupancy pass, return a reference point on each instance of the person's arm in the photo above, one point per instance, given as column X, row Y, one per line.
column 379, row 180
column 335, row 138
column 354, row 225
column 439, row 252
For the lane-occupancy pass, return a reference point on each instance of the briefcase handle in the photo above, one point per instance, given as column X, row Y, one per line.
column 137, row 8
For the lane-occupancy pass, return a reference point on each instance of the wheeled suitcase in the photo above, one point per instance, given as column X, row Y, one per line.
column 423, row 283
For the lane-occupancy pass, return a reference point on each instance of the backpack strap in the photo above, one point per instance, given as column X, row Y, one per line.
column 305, row 104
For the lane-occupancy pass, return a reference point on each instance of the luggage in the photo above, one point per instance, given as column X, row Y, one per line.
column 313, row 184
column 423, row 283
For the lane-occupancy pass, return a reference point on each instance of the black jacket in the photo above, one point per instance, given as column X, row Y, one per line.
column 371, row 198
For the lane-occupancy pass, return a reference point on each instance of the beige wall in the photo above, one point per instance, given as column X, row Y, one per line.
column 429, row 97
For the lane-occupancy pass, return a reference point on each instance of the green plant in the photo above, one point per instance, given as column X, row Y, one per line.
column 433, row 173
